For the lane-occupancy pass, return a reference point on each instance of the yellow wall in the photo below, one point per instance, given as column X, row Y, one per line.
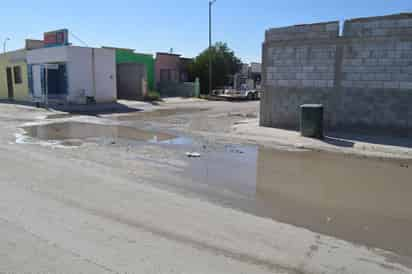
column 21, row 91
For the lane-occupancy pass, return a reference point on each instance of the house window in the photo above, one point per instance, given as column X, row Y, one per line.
column 169, row 75
column 165, row 75
column 17, row 75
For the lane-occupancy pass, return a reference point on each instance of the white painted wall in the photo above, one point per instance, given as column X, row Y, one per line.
column 79, row 74
column 47, row 55
column 105, row 72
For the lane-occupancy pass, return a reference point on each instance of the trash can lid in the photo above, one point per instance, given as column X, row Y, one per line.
column 312, row 106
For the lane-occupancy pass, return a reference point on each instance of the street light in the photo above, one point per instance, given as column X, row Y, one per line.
column 211, row 2
column 4, row 44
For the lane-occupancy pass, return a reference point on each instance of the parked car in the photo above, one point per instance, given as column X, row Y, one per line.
column 250, row 94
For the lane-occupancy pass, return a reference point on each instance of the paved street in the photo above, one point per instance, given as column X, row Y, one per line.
column 139, row 205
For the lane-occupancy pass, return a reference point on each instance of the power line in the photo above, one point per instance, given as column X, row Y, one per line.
column 78, row 39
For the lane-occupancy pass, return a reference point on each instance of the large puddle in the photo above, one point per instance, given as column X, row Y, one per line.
column 367, row 201
column 158, row 113
column 66, row 131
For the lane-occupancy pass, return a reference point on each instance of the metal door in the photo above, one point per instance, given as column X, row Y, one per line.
column 10, row 86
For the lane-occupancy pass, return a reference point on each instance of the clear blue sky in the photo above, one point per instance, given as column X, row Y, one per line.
column 158, row 25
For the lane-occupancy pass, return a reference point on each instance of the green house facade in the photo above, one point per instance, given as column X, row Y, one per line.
column 129, row 56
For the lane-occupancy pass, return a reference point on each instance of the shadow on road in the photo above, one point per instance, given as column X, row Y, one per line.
column 338, row 142
column 347, row 139
column 88, row 109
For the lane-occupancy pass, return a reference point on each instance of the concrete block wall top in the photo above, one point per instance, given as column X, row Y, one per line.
column 391, row 25
column 309, row 31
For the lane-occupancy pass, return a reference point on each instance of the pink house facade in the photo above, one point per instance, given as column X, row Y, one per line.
column 167, row 67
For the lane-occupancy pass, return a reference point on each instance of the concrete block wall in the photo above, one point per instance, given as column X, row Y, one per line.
column 310, row 31
column 380, row 63
column 392, row 25
column 364, row 78
column 301, row 66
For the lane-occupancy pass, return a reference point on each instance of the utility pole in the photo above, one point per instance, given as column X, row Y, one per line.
column 4, row 44
column 211, row 2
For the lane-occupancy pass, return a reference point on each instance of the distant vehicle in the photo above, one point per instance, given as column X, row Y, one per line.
column 242, row 93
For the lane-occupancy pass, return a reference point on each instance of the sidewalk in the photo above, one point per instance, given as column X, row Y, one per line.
column 376, row 146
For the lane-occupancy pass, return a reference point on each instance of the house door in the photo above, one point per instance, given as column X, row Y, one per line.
column 10, row 83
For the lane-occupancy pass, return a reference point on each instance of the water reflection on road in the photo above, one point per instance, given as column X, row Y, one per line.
column 366, row 201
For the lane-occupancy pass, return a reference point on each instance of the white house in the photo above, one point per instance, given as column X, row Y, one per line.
column 72, row 74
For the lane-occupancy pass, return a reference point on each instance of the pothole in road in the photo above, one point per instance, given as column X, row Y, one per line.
column 75, row 133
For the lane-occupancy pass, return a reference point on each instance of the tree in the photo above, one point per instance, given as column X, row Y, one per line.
column 224, row 64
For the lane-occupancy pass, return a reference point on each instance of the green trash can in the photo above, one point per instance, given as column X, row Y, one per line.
column 311, row 120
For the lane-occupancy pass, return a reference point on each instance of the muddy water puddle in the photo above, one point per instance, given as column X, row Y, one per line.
column 73, row 133
column 158, row 113
column 366, row 201
column 362, row 200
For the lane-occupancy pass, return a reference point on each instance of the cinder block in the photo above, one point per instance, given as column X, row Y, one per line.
column 404, row 46
column 283, row 83
column 270, row 69
column 386, row 61
column 322, row 68
column 405, row 23
column 383, row 76
column 276, row 76
column 321, row 83
column 371, row 62
column 407, row 69
column 406, row 85
column 364, row 54
column 401, row 77
column 393, row 69
column 348, row 69
column 300, row 76
column 364, row 69
column 375, row 84
column 356, row 62
column 396, row 54
column 347, row 84
column 391, row 85
column 360, row 84
column 327, row 76
column 379, row 32
column 402, row 62
column 332, row 27
column 272, row 83
column 313, row 76
column 308, row 83
column 367, row 76
column 352, row 76
column 405, row 54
